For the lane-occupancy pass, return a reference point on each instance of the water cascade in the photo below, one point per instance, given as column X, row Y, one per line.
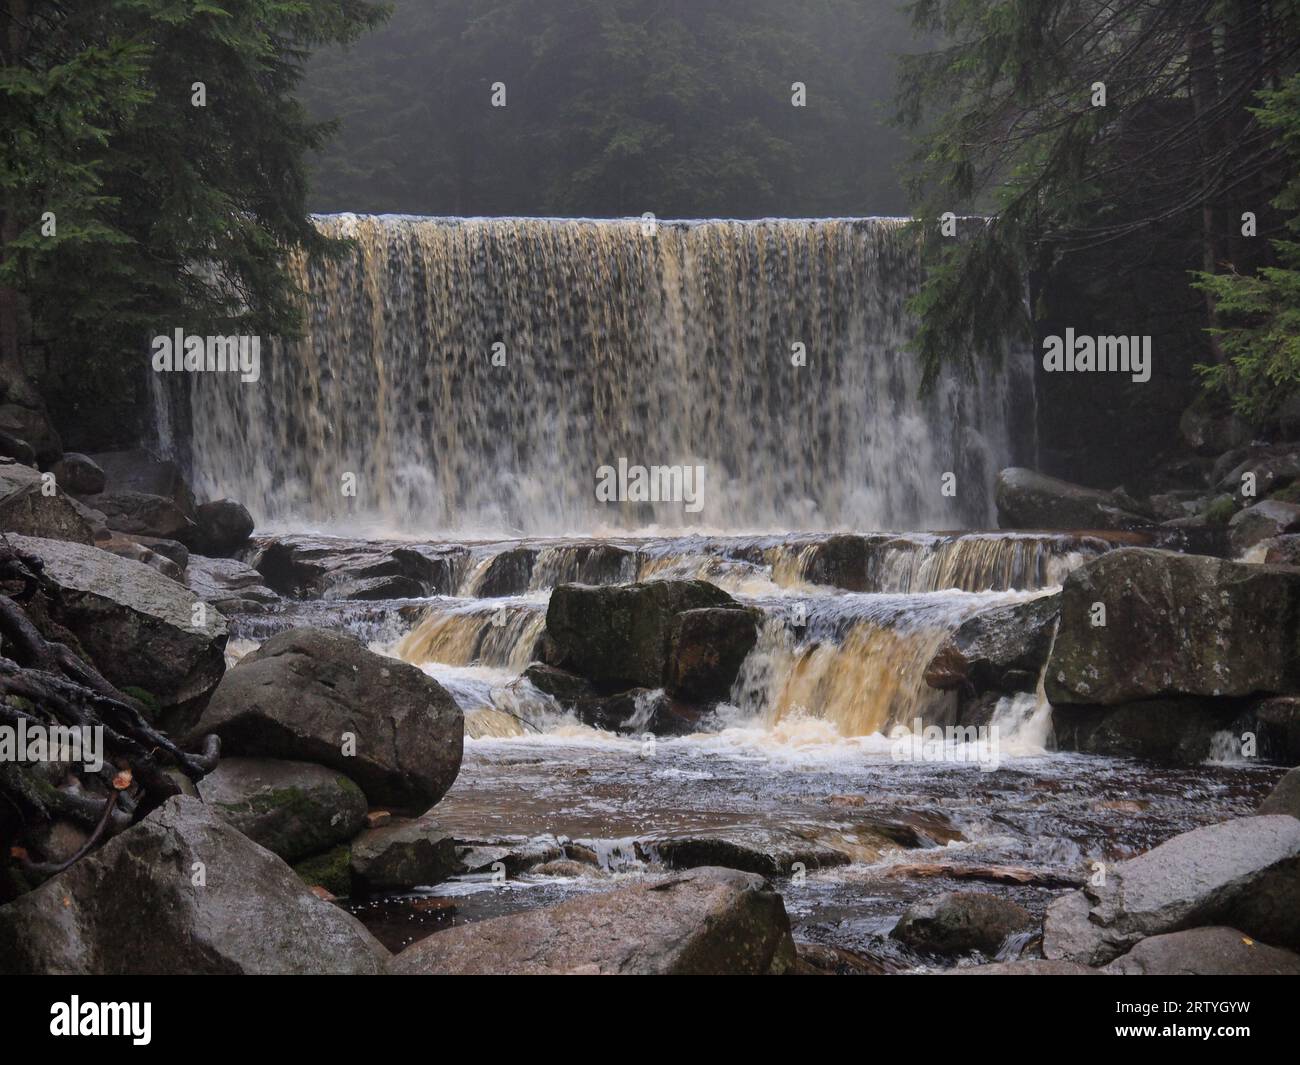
column 472, row 375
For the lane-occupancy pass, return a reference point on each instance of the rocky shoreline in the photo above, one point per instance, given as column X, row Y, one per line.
column 310, row 771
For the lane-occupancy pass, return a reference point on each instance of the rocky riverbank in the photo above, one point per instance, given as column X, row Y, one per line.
column 267, row 776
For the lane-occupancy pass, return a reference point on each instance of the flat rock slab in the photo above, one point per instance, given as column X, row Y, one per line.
column 133, row 907
column 708, row 921
column 1206, row 952
column 1243, row 873
column 140, row 628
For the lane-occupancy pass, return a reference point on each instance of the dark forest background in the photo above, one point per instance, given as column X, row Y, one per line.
column 614, row 108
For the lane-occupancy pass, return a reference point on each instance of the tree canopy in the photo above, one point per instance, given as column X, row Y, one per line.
column 615, row 107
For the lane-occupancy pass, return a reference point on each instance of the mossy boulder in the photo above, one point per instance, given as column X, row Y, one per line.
column 293, row 809
column 331, row 870
column 1174, row 625
column 620, row 637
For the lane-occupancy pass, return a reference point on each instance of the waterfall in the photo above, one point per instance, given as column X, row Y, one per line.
column 471, row 375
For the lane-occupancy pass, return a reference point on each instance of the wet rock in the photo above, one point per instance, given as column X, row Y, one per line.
column 764, row 853
column 330, row 872
column 140, row 628
column 1027, row 499
column 1280, row 550
column 508, row 573
column 143, row 514
column 173, row 549
column 999, row 649
column 311, row 695
column 1175, row 625
column 1175, row 731
column 842, row 561
column 1285, row 798
column 640, row 711
column 1275, row 724
column 33, row 428
column 1265, row 520
column 706, row 649
column 566, row 867
column 1264, row 469
column 230, row 586
column 224, row 526
column 1205, row 952
column 293, row 809
column 564, row 687
column 402, row 854
column 513, row 855
column 250, row 915
column 1028, row 967
column 708, row 921
column 619, row 637
column 958, row 922
column 78, row 474
column 1243, row 873
column 26, row 509
column 329, row 568
column 125, row 547
column 821, row 959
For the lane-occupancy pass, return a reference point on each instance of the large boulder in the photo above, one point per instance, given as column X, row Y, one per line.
column 78, row 474
column 1027, row 499
column 26, row 508
column 222, row 526
column 704, row 922
column 140, row 628
column 317, row 696
column 293, row 809
column 620, row 636
column 958, row 922
column 182, row 892
column 230, row 586
column 1174, row 625
column 1205, row 952
column 705, row 650
column 402, row 854
column 1243, row 873
column 1002, row 649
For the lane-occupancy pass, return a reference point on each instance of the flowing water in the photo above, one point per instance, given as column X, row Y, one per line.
column 801, row 773
column 469, row 376
column 473, row 375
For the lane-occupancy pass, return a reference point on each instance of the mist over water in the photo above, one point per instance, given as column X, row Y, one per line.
column 668, row 346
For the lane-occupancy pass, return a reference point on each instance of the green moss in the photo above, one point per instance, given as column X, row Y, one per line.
column 147, row 699
column 330, row 870
column 1220, row 512
column 1289, row 494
